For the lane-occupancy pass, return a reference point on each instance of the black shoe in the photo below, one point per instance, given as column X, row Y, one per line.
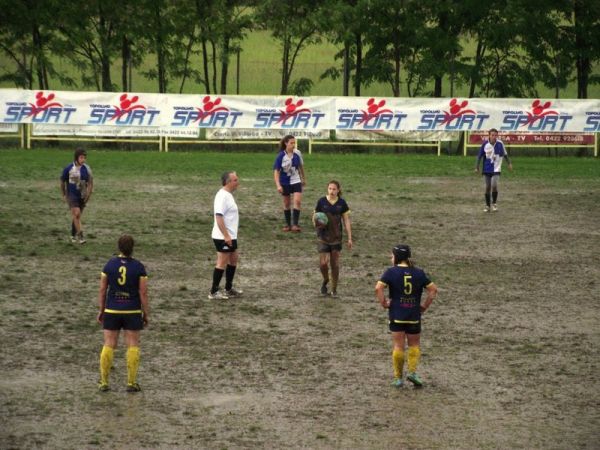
column 324, row 288
column 133, row 387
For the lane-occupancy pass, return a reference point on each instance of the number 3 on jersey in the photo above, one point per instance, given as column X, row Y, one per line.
column 407, row 284
column 123, row 278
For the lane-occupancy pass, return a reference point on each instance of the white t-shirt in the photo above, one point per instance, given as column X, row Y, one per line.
column 226, row 206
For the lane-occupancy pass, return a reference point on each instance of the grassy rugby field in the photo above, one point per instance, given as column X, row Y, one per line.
column 510, row 348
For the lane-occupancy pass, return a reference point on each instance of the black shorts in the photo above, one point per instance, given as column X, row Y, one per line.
column 408, row 328
column 131, row 321
column 289, row 189
column 222, row 247
column 75, row 202
column 328, row 248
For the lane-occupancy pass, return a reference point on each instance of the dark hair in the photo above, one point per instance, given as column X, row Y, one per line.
column 78, row 153
column 225, row 177
column 126, row 245
column 401, row 252
column 337, row 183
column 493, row 130
column 284, row 141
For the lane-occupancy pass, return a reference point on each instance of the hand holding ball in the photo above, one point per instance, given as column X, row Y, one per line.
column 321, row 220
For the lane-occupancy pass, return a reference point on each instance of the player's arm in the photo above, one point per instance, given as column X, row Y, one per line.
column 380, row 294
column 221, row 224
column 302, row 175
column 63, row 188
column 507, row 158
column 431, row 294
column 348, row 227
column 102, row 296
column 144, row 300
column 479, row 158
column 276, row 178
column 90, row 188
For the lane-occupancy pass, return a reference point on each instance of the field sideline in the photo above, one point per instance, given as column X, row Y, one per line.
column 511, row 348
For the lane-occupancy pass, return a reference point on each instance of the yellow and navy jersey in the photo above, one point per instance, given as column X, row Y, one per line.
column 406, row 286
column 123, row 275
column 332, row 233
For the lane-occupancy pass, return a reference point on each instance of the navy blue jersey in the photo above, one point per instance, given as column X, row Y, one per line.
column 405, row 289
column 492, row 156
column 289, row 167
column 77, row 179
column 332, row 233
column 124, row 276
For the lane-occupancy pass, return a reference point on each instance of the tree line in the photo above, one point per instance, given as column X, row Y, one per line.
column 410, row 45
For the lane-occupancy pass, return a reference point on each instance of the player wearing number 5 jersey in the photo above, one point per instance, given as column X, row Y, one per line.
column 406, row 284
column 123, row 305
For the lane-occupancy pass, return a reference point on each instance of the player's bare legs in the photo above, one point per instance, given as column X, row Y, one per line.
column 324, row 267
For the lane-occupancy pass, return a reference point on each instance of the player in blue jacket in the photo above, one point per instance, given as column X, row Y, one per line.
column 76, row 185
column 492, row 152
column 123, row 305
column 288, row 173
column 406, row 283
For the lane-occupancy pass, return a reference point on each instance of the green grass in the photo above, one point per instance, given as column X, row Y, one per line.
column 282, row 366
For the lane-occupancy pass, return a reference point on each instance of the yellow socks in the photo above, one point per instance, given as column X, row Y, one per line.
column 398, row 362
column 414, row 354
column 106, row 360
column 133, row 362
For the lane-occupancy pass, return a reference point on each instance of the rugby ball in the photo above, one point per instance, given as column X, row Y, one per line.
column 321, row 220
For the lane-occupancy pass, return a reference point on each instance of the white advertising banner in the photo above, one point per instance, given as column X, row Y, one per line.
column 264, row 134
column 172, row 112
column 9, row 128
column 384, row 135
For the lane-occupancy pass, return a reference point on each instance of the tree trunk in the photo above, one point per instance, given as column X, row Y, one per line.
column 188, row 52
column 358, row 69
column 476, row 67
column 285, row 67
column 38, row 51
column 214, row 66
column 346, row 80
column 126, row 61
column 205, row 65
column 581, row 47
column 225, row 63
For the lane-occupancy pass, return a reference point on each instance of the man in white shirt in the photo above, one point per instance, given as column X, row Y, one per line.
column 224, row 235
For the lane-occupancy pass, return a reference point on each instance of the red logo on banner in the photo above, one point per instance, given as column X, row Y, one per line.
column 537, row 108
column 291, row 109
column 373, row 110
column 41, row 103
column 126, row 105
column 456, row 110
column 209, row 107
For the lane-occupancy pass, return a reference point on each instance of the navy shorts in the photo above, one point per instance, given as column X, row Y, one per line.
column 328, row 248
column 289, row 189
column 408, row 328
column 75, row 202
column 222, row 247
column 114, row 322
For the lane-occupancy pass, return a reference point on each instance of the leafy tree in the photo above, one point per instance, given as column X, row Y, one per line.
column 294, row 23
column 27, row 39
column 395, row 37
column 344, row 25
column 586, row 36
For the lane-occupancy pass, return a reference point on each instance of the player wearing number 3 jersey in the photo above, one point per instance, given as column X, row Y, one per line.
column 123, row 304
column 406, row 284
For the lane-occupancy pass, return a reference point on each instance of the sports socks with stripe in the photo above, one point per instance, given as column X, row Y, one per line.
column 133, row 363
column 414, row 354
column 106, row 360
column 398, row 362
